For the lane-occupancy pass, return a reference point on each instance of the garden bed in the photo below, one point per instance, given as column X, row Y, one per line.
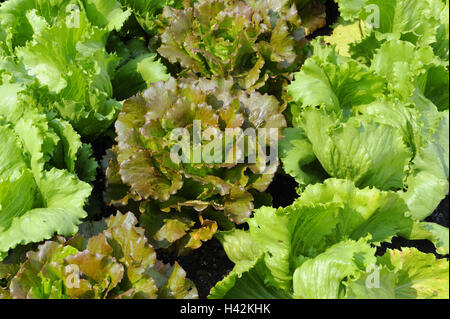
column 92, row 193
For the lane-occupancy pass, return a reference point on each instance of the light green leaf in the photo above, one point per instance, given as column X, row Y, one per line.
column 138, row 74
column 415, row 20
column 35, row 204
column 368, row 153
column 321, row 277
column 298, row 157
column 329, row 80
column 428, row 184
column 435, row 233
column 106, row 13
column 240, row 248
column 405, row 274
column 249, row 284
column 273, row 235
column 343, row 35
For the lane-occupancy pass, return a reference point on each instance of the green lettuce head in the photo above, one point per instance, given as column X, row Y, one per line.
column 423, row 23
column 372, row 107
column 192, row 153
column 323, row 247
column 384, row 124
column 62, row 44
column 41, row 164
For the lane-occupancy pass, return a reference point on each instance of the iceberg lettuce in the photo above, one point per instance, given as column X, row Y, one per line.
column 322, row 247
column 371, row 106
column 62, row 44
column 38, row 199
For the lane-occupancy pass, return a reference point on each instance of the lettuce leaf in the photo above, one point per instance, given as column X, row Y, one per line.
column 138, row 74
column 404, row 274
column 414, row 20
column 321, row 277
column 377, row 118
column 35, row 203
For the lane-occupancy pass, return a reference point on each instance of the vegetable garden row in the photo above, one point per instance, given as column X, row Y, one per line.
column 94, row 204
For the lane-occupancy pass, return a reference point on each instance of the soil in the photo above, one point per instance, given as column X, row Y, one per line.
column 206, row 266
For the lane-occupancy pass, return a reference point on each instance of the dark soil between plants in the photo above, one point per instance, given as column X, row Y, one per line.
column 205, row 266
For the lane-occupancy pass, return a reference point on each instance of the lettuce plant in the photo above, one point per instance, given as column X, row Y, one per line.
column 373, row 107
column 322, row 247
column 255, row 42
column 420, row 22
column 184, row 200
column 108, row 259
column 42, row 157
column 62, row 44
